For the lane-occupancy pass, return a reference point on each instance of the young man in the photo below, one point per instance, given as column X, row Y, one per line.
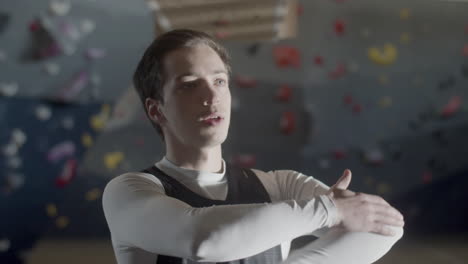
column 192, row 206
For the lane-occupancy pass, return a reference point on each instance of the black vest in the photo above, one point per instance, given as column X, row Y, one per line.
column 244, row 187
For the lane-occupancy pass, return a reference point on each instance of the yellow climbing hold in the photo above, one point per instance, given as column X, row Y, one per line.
column 93, row 194
column 98, row 121
column 51, row 210
column 383, row 188
column 385, row 101
column 405, row 13
column 62, row 222
column 113, row 159
column 386, row 56
column 405, row 38
column 87, row 140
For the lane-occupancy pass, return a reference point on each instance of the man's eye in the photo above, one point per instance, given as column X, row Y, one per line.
column 220, row 82
column 188, row 85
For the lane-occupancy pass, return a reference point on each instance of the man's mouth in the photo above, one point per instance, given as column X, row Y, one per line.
column 211, row 120
column 211, row 117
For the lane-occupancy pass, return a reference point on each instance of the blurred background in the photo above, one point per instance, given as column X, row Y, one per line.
column 318, row 86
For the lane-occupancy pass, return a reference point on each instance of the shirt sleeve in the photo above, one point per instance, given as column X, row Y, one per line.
column 139, row 214
column 334, row 245
column 337, row 246
column 291, row 185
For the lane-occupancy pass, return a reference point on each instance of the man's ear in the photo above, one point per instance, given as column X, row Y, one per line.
column 153, row 107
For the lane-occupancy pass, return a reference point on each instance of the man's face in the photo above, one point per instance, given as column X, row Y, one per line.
column 197, row 99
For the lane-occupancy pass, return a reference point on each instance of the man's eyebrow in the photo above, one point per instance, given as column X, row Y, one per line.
column 220, row 71
column 180, row 76
column 183, row 75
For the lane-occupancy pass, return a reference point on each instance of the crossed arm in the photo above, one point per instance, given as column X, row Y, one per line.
column 141, row 215
column 334, row 244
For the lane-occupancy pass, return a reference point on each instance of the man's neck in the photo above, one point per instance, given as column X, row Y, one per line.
column 206, row 159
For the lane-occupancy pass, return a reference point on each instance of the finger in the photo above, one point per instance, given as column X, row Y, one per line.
column 373, row 199
column 347, row 179
column 383, row 229
column 348, row 193
column 336, row 183
column 387, row 211
column 378, row 198
column 344, row 180
column 390, row 221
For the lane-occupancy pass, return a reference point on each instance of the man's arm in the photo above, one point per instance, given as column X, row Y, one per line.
column 139, row 214
column 334, row 242
column 337, row 246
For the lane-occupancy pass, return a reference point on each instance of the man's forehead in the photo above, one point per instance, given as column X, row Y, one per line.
column 192, row 61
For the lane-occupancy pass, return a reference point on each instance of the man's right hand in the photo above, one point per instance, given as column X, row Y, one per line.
column 363, row 212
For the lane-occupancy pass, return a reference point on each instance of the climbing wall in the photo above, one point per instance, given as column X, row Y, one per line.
column 379, row 88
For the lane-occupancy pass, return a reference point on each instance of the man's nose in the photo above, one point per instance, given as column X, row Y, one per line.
column 210, row 95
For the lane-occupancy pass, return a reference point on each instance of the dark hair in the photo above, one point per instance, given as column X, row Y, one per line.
column 148, row 78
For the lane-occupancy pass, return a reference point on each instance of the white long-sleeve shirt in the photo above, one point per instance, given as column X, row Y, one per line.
column 144, row 222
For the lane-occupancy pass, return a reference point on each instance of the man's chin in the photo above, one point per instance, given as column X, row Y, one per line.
column 211, row 140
